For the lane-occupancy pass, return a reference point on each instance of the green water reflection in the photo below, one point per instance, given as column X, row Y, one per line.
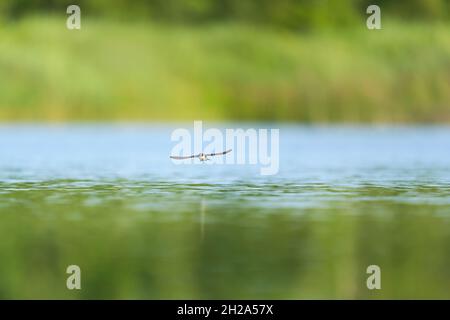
column 158, row 241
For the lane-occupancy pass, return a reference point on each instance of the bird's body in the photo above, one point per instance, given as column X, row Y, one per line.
column 201, row 156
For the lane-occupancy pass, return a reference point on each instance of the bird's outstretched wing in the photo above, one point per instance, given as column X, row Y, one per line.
column 184, row 157
column 218, row 153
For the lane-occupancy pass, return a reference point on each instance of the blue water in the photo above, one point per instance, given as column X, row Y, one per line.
column 108, row 198
column 337, row 155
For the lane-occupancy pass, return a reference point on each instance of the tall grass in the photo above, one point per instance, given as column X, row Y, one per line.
column 142, row 71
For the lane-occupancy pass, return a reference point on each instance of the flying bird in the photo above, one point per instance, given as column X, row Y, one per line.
column 201, row 156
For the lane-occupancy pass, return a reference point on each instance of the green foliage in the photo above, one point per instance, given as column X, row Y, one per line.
column 135, row 71
column 296, row 14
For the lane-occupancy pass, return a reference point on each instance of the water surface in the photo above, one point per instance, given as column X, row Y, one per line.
column 108, row 198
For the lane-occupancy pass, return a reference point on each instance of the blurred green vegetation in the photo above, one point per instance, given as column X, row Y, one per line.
column 309, row 61
column 293, row 14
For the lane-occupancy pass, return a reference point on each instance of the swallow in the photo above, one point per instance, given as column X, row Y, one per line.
column 201, row 156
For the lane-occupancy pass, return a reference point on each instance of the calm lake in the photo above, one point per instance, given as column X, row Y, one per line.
column 108, row 199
